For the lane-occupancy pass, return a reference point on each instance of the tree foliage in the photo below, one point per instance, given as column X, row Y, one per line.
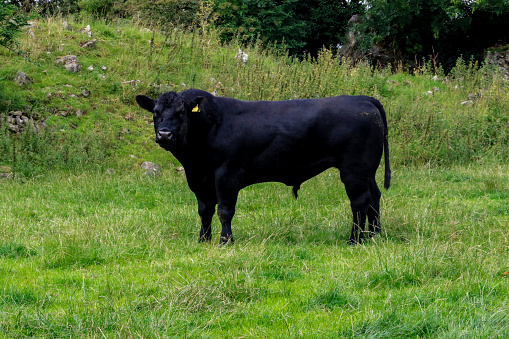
column 442, row 29
column 247, row 20
column 11, row 22
column 103, row 8
column 300, row 26
column 165, row 13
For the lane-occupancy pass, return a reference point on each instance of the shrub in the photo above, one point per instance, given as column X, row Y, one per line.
column 11, row 22
column 443, row 29
column 103, row 8
column 299, row 26
column 165, row 13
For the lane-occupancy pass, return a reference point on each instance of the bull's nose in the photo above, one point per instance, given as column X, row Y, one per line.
column 163, row 136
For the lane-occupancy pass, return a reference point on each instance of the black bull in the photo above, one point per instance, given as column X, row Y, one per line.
column 225, row 144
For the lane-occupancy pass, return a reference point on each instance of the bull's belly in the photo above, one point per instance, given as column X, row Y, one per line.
column 291, row 174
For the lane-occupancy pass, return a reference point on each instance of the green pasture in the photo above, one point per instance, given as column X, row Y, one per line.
column 92, row 247
column 116, row 256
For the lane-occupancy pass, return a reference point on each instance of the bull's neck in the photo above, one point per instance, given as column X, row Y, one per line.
column 192, row 147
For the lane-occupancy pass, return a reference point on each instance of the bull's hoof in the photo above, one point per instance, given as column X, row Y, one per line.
column 204, row 238
column 226, row 240
column 354, row 242
column 372, row 234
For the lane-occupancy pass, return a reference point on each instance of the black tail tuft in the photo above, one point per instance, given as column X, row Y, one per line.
column 295, row 191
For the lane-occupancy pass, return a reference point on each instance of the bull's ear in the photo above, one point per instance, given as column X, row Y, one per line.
column 145, row 102
column 195, row 103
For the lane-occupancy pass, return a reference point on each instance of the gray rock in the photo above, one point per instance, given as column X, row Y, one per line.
column 66, row 26
column 67, row 58
column 89, row 44
column 72, row 67
column 151, row 168
column 70, row 63
column 86, row 30
column 5, row 172
column 14, row 128
column 22, row 79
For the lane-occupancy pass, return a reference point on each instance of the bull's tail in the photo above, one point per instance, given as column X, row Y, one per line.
column 387, row 178
column 295, row 191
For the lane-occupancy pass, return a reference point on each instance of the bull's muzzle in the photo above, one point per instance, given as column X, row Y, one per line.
column 163, row 136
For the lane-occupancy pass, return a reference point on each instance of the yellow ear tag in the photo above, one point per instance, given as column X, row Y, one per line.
column 196, row 109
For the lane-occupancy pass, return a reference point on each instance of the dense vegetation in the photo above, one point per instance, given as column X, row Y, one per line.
column 90, row 246
column 402, row 30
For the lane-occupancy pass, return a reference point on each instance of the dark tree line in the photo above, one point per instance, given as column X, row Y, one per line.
column 440, row 29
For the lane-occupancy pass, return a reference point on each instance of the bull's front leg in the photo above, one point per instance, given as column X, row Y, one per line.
column 206, row 211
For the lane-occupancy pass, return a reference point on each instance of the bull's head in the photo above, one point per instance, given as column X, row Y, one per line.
column 171, row 112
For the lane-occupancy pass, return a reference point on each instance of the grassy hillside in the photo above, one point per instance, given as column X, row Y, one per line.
column 433, row 118
column 92, row 247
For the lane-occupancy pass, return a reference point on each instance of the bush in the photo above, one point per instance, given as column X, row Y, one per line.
column 301, row 27
column 103, row 8
column 165, row 13
column 11, row 22
column 445, row 30
column 248, row 20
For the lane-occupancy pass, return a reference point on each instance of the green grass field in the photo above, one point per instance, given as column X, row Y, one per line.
column 91, row 247
column 99, row 255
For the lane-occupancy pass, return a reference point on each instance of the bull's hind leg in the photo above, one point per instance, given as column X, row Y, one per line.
column 358, row 192
column 374, row 208
column 206, row 211
column 226, row 211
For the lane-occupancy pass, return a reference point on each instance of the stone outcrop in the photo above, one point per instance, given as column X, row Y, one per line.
column 499, row 57
column 18, row 121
